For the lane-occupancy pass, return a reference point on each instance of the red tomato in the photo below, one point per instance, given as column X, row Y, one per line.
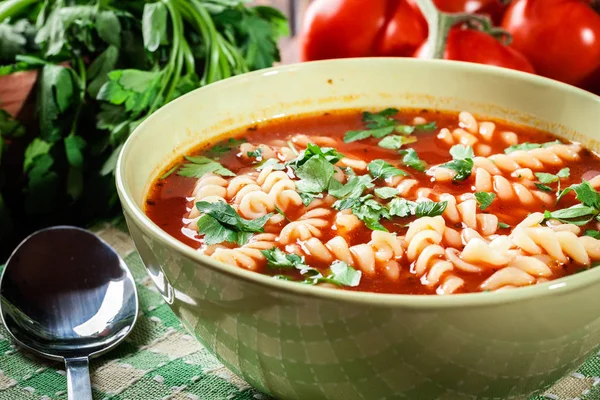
column 561, row 38
column 493, row 8
column 341, row 28
column 360, row 28
column 405, row 31
column 479, row 47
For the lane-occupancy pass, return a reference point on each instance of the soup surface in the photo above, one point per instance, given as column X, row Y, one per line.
column 412, row 201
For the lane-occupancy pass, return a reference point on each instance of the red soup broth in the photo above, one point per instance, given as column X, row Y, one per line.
column 168, row 200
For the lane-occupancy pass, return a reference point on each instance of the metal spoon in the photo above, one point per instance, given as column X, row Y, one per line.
column 67, row 295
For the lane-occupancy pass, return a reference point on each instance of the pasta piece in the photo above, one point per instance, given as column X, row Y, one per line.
column 559, row 244
column 510, row 191
column 381, row 254
column 478, row 135
column 248, row 256
column 509, row 276
column 211, row 188
column 466, row 212
column 309, row 225
column 537, row 159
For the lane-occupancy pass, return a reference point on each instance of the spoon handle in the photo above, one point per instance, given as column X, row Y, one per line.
column 78, row 378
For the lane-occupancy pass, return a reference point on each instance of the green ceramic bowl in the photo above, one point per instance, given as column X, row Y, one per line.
column 298, row 342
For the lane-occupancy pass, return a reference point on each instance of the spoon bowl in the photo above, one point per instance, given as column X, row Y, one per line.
column 65, row 294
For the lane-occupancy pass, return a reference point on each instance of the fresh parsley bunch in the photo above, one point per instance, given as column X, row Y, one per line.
column 103, row 66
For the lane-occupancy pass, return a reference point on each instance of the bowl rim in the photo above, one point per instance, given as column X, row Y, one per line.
column 559, row 286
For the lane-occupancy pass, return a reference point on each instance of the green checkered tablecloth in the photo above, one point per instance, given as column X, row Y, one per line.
column 159, row 360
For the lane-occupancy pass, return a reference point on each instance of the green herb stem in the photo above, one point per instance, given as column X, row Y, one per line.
column 440, row 23
column 11, row 8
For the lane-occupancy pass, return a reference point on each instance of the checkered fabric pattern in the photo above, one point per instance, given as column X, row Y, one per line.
column 159, row 360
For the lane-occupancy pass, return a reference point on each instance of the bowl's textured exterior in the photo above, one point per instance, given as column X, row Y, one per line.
column 298, row 342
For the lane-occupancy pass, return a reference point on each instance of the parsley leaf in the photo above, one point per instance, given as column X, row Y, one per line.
column 199, row 166
column 401, row 207
column 255, row 154
column 353, row 136
column 592, row 233
column 170, row 171
column 578, row 214
column 551, row 178
column 543, row 188
column 430, row 208
column 370, row 212
column 344, row 274
column 224, row 147
column 463, row 168
column 221, row 223
column 405, row 129
column 381, row 119
column 278, row 259
column 395, row 142
column 502, row 225
column 352, row 189
column 380, row 169
column 484, row 199
column 411, row 159
column 270, row 162
column 315, row 175
column 462, row 162
column 461, row 152
column 366, row 209
column 312, row 150
column 529, row 146
column 429, row 126
column 386, row 192
column 585, row 193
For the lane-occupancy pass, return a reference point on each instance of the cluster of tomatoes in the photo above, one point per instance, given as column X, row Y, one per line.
column 559, row 39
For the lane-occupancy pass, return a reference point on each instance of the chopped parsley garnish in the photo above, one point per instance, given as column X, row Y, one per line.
column 380, row 169
column 411, row 159
column 399, row 207
column 277, row 259
column 551, row 178
column 430, row 208
column 255, row 154
column 353, row 136
column 170, row 171
column 199, row 166
column 314, row 168
column 462, row 162
column 315, row 175
column 312, row 150
column 271, row 162
column 382, row 124
column 386, row 193
column 354, row 188
column 280, row 212
column 484, row 199
column 404, row 208
column 395, row 142
column 224, row 147
column 427, row 127
column 502, row 225
column 365, row 208
column 221, row 223
column 530, row 146
column 344, row 274
column 543, row 188
column 579, row 214
column 341, row 273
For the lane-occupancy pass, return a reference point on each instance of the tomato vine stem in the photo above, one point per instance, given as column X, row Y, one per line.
column 439, row 24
